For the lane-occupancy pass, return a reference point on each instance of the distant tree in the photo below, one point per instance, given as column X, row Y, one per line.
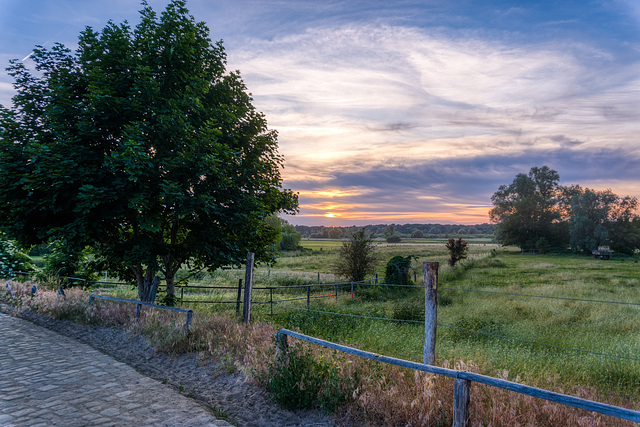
column 602, row 218
column 528, row 209
column 142, row 146
column 389, row 230
column 435, row 229
column 290, row 240
column 394, row 238
column 457, row 250
column 357, row 257
column 417, row 234
column 397, row 270
column 335, row 233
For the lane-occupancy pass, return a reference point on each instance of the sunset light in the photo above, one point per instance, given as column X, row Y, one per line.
column 419, row 111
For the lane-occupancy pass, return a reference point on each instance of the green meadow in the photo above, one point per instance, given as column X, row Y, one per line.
column 493, row 311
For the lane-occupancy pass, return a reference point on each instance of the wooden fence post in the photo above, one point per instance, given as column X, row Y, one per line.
column 461, row 399
column 430, row 310
column 248, row 288
column 308, row 295
column 271, row 299
column 239, row 296
column 281, row 345
column 188, row 321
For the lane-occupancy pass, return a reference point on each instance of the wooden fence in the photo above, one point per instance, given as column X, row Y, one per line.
column 463, row 379
column 139, row 304
column 462, row 383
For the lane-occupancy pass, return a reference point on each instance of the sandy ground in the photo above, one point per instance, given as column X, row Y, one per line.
column 232, row 397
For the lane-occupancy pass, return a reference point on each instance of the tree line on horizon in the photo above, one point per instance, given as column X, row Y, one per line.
column 535, row 212
column 401, row 230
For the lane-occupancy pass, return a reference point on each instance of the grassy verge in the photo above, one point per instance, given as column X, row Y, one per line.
column 358, row 390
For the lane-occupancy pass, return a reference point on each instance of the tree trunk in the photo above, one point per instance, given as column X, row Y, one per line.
column 171, row 267
column 171, row 290
column 147, row 284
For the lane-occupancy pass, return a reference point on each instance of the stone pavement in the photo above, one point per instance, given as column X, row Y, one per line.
column 47, row 379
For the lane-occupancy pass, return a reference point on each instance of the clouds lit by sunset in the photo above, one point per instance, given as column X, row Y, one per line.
column 411, row 111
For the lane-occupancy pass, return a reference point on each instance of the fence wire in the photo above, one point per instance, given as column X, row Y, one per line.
column 467, row 330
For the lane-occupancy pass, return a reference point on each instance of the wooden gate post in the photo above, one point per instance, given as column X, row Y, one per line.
column 430, row 310
column 461, row 399
column 248, row 289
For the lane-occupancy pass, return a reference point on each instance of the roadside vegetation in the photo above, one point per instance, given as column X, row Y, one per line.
column 367, row 392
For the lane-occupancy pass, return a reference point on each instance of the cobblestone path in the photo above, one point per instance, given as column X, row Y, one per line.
column 47, row 379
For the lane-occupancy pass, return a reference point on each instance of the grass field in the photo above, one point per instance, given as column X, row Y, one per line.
column 556, row 340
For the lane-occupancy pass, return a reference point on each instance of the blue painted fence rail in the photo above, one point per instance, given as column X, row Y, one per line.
column 139, row 304
column 576, row 402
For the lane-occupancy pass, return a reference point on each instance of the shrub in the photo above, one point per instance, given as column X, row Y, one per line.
column 397, row 270
column 299, row 379
column 457, row 250
column 356, row 258
column 410, row 310
column 394, row 238
column 11, row 258
column 417, row 234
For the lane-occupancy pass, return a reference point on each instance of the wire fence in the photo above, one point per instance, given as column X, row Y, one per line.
column 282, row 297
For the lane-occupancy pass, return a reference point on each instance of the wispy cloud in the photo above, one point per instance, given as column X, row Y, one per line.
column 368, row 106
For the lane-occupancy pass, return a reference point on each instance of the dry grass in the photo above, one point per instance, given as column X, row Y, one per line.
column 383, row 394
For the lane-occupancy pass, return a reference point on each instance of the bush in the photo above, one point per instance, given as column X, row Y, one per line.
column 411, row 310
column 417, row 234
column 298, row 379
column 397, row 271
column 356, row 258
column 11, row 258
column 394, row 239
column 457, row 250
column 66, row 261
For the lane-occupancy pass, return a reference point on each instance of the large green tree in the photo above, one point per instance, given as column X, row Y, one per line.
column 527, row 212
column 142, row 146
column 602, row 218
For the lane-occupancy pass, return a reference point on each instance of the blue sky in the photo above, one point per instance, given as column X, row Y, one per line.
column 407, row 111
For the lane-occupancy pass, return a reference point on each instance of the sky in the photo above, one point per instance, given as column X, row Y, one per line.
column 409, row 111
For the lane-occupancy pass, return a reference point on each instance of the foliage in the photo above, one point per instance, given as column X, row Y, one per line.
column 290, row 240
column 417, row 234
column 394, row 238
column 357, row 257
column 397, row 270
column 602, row 218
column 12, row 259
column 527, row 209
column 299, row 379
column 457, row 250
column 142, row 146
column 66, row 261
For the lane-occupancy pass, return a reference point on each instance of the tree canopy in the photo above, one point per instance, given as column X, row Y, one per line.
column 142, row 146
column 527, row 210
column 535, row 212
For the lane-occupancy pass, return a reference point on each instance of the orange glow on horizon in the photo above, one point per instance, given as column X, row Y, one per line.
column 331, row 193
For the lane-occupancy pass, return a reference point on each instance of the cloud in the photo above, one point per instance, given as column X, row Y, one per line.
column 396, row 110
column 455, row 190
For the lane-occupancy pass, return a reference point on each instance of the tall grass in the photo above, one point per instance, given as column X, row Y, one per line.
column 385, row 395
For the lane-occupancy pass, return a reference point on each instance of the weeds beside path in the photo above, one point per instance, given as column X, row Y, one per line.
column 221, row 361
